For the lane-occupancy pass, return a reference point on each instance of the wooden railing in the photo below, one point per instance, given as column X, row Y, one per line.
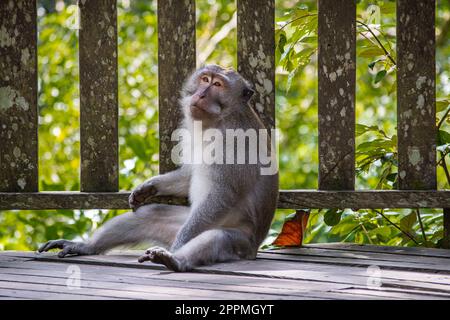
column 177, row 58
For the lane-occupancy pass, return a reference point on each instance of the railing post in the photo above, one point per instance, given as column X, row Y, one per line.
column 18, row 96
column 446, row 240
column 416, row 97
column 98, row 96
column 176, row 60
column 337, row 59
column 416, row 110
column 256, row 53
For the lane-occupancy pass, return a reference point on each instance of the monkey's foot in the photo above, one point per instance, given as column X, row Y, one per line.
column 142, row 192
column 161, row 256
column 68, row 247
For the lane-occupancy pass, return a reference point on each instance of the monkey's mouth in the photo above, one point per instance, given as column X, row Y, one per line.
column 197, row 111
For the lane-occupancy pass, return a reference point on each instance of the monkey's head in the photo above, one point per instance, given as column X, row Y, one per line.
column 212, row 93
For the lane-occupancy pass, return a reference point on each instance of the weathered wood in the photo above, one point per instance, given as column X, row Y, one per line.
column 298, row 199
column 293, row 199
column 98, row 96
column 414, row 251
column 336, row 260
column 256, row 54
column 269, row 277
column 176, row 60
column 416, row 110
column 446, row 240
column 369, row 255
column 18, row 96
column 336, row 100
column 117, row 260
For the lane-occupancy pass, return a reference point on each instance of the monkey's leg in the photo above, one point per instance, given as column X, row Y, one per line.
column 151, row 223
column 211, row 246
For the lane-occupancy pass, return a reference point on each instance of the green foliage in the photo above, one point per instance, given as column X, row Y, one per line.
column 296, row 103
column 376, row 152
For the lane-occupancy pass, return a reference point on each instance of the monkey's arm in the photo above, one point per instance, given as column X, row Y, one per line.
column 173, row 183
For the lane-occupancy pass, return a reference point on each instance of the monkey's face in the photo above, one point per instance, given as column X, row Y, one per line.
column 206, row 100
column 212, row 92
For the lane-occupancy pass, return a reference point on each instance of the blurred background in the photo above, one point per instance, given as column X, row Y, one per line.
column 296, row 107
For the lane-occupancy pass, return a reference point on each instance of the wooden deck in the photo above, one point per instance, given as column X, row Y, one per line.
column 320, row 271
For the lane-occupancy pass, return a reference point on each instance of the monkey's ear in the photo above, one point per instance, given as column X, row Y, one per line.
column 247, row 94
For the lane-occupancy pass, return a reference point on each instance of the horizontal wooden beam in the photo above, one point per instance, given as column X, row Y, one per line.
column 292, row 199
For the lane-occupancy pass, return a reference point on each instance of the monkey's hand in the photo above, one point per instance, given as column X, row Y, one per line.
column 68, row 247
column 142, row 192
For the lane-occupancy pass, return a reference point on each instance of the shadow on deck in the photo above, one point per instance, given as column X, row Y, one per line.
column 319, row 271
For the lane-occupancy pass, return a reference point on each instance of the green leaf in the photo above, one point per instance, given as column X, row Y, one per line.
column 372, row 64
column 281, row 40
column 371, row 52
column 360, row 129
column 443, row 137
column 380, row 75
column 309, row 39
column 442, row 104
column 332, row 217
column 408, row 221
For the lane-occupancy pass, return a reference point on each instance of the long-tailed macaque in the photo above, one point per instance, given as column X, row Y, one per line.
column 232, row 204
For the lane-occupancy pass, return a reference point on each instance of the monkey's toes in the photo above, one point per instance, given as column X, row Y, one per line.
column 161, row 256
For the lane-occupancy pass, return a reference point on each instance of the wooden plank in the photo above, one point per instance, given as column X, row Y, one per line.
column 400, row 265
column 298, row 199
column 18, row 97
column 240, row 277
column 294, row 199
column 315, row 286
column 98, row 96
column 288, row 271
column 154, row 289
column 336, row 98
column 14, row 294
column 396, row 251
column 176, row 60
column 256, row 54
column 416, row 109
column 322, row 252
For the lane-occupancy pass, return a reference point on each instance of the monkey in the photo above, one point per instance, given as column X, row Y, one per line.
column 231, row 205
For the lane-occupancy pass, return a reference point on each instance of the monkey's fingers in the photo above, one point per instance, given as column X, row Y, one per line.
column 54, row 244
column 139, row 195
column 70, row 249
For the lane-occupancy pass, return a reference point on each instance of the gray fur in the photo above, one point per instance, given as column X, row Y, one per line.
column 232, row 205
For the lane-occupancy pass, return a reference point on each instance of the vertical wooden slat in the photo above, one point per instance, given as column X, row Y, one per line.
column 446, row 240
column 256, row 52
column 416, row 94
column 98, row 96
column 176, row 60
column 18, row 96
column 336, row 96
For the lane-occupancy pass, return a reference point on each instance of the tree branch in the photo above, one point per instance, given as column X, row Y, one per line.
column 386, row 52
column 421, row 225
column 215, row 39
column 298, row 18
column 396, row 226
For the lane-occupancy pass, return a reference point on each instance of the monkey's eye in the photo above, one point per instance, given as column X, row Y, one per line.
column 205, row 79
column 217, row 84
